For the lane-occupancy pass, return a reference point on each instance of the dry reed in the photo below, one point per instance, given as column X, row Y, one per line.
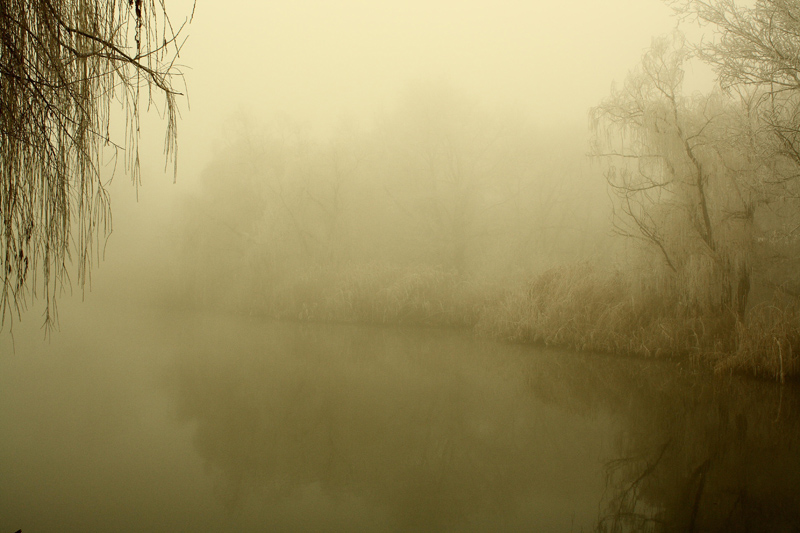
column 655, row 314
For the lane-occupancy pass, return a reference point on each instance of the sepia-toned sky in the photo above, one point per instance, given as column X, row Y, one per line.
column 322, row 62
column 319, row 61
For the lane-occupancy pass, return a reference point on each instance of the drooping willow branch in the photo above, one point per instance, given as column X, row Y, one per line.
column 62, row 65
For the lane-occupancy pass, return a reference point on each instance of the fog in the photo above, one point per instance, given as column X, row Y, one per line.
column 385, row 290
column 341, row 76
column 320, row 62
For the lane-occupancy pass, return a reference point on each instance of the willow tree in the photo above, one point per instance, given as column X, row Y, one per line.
column 670, row 164
column 755, row 49
column 63, row 63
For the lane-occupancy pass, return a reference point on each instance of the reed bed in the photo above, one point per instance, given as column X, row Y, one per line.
column 585, row 309
column 768, row 343
column 652, row 315
column 579, row 307
column 383, row 294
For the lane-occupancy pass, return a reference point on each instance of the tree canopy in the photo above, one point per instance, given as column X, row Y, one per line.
column 756, row 51
column 709, row 181
column 62, row 65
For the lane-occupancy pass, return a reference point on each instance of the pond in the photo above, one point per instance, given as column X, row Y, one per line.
column 148, row 421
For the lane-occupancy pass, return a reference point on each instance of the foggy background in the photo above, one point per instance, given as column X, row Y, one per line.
column 342, row 76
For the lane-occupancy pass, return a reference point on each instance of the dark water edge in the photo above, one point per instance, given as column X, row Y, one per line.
column 204, row 422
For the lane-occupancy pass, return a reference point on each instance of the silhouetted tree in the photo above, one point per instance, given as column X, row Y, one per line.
column 756, row 50
column 62, row 63
column 673, row 168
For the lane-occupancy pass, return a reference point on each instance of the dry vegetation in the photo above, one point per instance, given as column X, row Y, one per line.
column 648, row 315
column 579, row 307
column 382, row 294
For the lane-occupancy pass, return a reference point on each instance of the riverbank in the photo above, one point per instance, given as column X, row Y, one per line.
column 577, row 307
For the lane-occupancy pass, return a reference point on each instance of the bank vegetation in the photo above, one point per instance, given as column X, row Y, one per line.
column 678, row 236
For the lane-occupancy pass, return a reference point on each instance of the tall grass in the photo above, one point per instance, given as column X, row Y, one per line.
column 586, row 309
column 381, row 293
column 768, row 343
column 682, row 316
column 646, row 314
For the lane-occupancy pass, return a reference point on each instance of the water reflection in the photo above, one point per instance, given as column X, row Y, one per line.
column 420, row 430
column 694, row 452
column 210, row 423
column 435, row 430
column 720, row 455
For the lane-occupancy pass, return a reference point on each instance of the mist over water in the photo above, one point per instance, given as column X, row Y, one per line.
column 159, row 421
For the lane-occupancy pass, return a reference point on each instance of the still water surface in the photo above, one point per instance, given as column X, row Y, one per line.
column 145, row 422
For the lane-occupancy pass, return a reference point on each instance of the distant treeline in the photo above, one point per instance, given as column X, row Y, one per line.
column 440, row 182
column 446, row 213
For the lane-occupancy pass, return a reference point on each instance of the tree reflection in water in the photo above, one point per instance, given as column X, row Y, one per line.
column 391, row 429
column 696, row 452
column 721, row 457
column 385, row 429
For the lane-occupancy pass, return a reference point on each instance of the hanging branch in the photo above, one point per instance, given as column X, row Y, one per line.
column 62, row 63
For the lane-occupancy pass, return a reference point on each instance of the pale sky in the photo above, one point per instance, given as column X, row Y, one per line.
column 318, row 60
column 321, row 61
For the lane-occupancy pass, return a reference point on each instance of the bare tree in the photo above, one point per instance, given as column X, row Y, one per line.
column 645, row 134
column 756, row 53
column 757, row 49
column 445, row 160
column 62, row 64
column 672, row 167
